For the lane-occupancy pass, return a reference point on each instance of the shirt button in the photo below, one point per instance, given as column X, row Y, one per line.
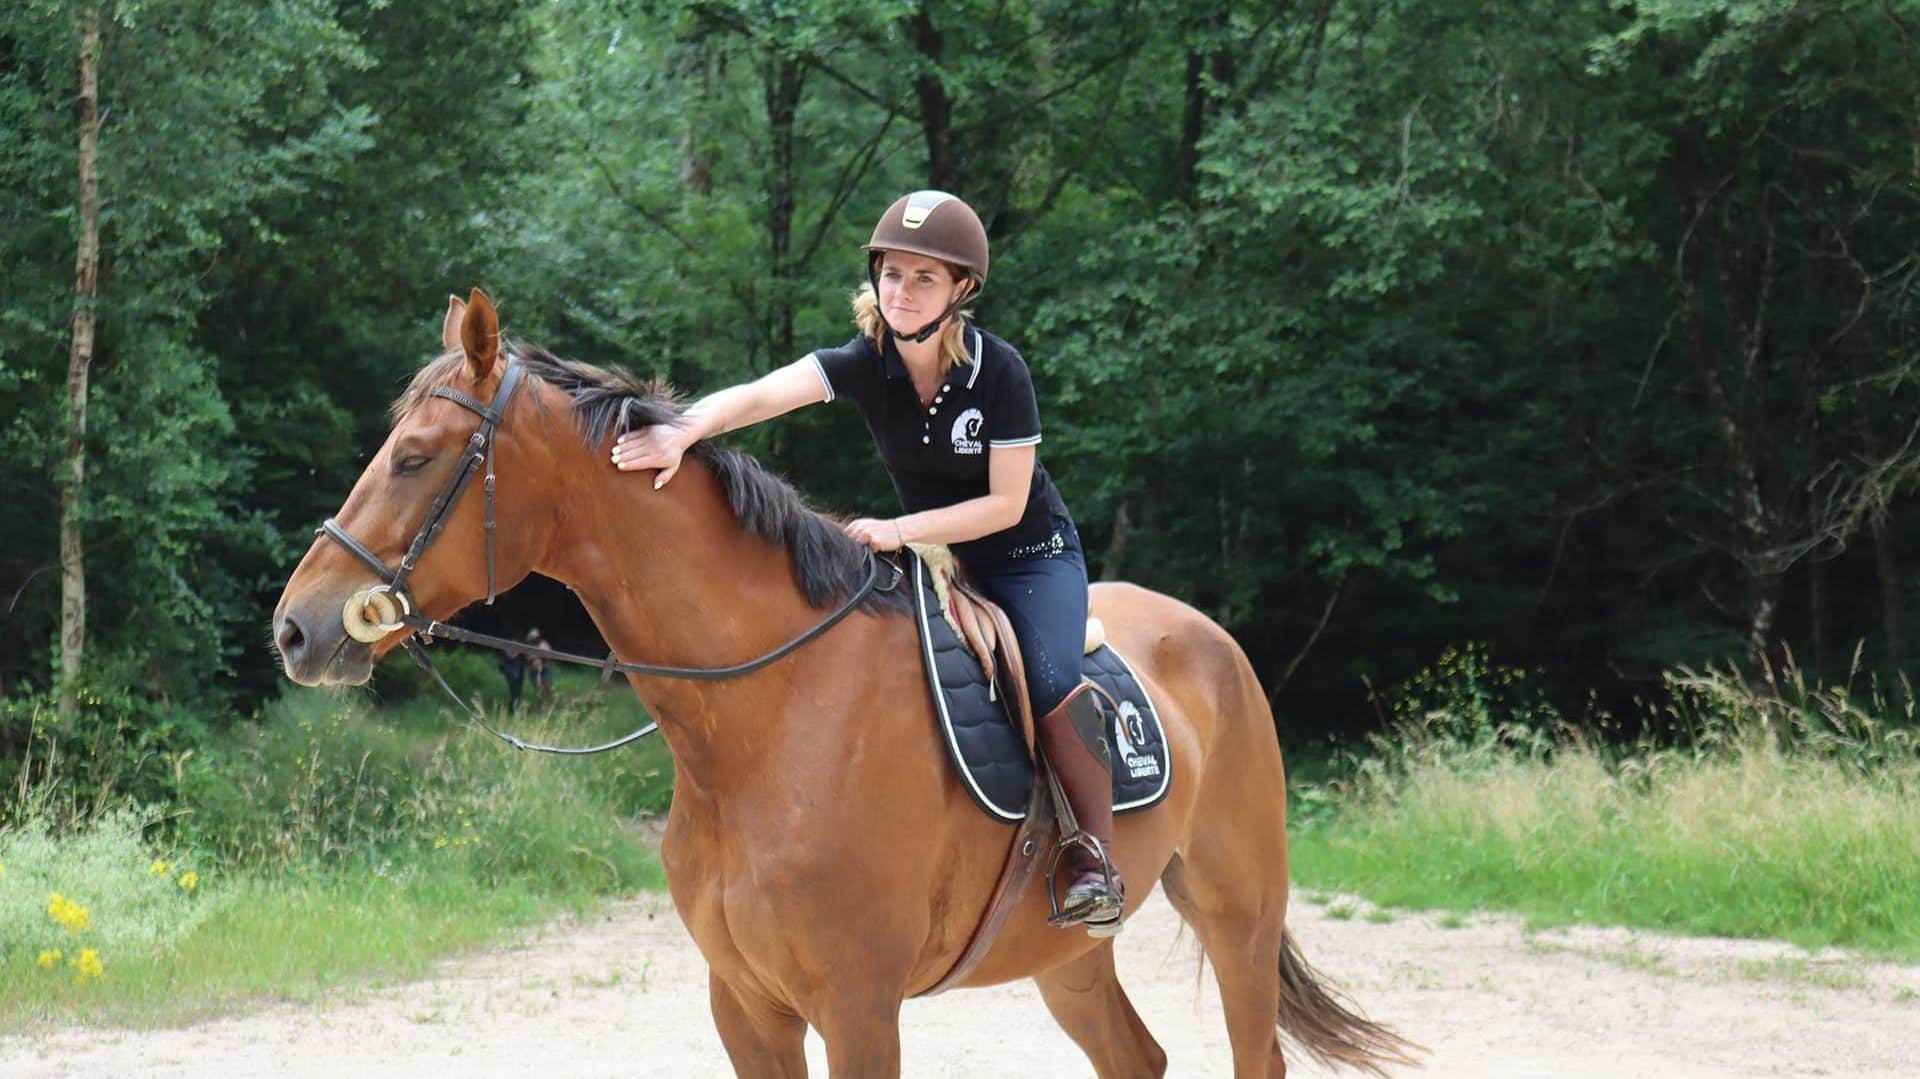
column 925, row 439
column 937, row 398
column 934, row 411
column 946, row 389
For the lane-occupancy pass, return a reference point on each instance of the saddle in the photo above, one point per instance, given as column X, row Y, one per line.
column 979, row 690
column 988, row 636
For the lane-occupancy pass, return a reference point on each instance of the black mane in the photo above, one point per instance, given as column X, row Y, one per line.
column 828, row 565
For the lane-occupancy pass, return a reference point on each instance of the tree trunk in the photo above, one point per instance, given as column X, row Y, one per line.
column 1186, row 159
column 696, row 159
column 1117, row 543
column 936, row 109
column 73, row 580
column 1751, row 525
column 1817, row 615
column 1212, row 55
column 784, row 79
column 1893, row 600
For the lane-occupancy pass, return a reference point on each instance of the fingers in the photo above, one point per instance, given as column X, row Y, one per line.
column 635, row 451
column 874, row 534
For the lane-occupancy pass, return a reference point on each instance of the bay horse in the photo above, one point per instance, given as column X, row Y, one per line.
column 820, row 848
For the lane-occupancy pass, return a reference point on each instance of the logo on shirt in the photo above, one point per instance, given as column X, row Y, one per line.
column 966, row 431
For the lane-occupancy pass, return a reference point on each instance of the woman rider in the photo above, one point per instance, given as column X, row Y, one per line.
column 952, row 413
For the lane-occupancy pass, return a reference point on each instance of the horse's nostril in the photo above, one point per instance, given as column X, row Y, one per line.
column 291, row 638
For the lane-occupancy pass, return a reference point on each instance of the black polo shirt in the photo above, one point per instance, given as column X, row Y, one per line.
column 936, row 454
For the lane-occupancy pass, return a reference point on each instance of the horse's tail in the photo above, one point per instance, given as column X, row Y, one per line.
column 1316, row 1017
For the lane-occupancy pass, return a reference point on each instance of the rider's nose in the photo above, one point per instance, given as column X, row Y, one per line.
column 291, row 638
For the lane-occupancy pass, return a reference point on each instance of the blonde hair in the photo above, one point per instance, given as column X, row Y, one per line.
column 953, row 336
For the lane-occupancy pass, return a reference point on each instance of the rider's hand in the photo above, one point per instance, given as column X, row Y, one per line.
column 879, row 535
column 659, row 446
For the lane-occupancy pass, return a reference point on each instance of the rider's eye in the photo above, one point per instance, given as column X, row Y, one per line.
column 407, row 466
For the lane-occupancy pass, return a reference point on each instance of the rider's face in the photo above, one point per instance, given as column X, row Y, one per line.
column 915, row 288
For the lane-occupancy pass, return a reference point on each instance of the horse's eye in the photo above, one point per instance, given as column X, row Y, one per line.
column 407, row 466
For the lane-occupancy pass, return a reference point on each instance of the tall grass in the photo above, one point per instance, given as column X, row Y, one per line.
column 330, row 839
column 1778, row 810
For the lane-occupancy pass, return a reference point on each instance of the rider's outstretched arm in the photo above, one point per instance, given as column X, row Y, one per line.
column 661, row 446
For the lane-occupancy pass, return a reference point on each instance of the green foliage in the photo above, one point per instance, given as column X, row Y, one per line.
column 115, row 895
column 297, row 939
column 326, row 842
column 119, row 749
column 1465, row 701
column 1578, row 330
column 325, row 782
column 1724, row 834
column 474, row 674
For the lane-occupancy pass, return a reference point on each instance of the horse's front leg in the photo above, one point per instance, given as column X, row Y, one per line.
column 762, row 1039
column 861, row 1026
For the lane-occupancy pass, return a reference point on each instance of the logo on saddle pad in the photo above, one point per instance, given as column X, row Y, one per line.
column 966, row 431
column 1130, row 731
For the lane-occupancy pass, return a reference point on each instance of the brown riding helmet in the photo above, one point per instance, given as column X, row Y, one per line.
column 934, row 224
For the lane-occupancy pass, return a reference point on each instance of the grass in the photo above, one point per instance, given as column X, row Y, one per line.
column 286, row 940
column 332, row 843
column 1799, row 970
column 1815, row 841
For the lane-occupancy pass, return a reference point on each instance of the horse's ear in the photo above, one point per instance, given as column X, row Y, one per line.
column 450, row 327
column 480, row 335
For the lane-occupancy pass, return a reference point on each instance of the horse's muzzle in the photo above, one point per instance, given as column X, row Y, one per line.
column 318, row 651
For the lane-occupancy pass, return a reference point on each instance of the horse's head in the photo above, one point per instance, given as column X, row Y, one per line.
column 342, row 609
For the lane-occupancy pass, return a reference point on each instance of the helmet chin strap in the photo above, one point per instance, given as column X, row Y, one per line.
column 931, row 328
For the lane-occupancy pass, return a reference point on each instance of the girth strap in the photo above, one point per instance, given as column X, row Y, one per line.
column 1023, row 858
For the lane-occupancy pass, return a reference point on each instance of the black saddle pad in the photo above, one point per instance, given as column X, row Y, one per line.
column 988, row 750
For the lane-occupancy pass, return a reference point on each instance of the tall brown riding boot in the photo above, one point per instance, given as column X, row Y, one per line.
column 1074, row 738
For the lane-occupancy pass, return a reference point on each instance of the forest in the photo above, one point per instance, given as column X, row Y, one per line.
column 1579, row 333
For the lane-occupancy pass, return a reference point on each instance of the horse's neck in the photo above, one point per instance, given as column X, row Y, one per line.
column 671, row 578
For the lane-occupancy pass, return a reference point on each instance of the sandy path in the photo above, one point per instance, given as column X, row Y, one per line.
column 625, row 994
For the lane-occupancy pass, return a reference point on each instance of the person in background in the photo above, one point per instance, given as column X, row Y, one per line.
column 513, row 665
column 538, row 667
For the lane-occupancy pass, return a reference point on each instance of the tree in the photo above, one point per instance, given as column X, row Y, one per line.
column 73, row 578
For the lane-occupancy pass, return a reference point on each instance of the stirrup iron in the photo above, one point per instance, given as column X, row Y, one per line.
column 1100, row 913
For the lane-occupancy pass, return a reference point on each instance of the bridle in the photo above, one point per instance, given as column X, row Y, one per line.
column 372, row 613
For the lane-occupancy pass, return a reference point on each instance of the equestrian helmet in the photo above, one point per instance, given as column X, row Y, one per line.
column 934, row 224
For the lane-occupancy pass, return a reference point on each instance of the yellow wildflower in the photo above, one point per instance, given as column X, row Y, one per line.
column 69, row 915
column 440, row 842
column 48, row 958
column 3, row 869
column 189, row 880
column 86, row 965
column 159, row 867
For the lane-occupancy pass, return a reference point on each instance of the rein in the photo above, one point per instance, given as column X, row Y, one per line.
column 394, row 605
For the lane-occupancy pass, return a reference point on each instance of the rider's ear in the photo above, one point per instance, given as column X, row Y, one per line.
column 450, row 327
column 480, row 335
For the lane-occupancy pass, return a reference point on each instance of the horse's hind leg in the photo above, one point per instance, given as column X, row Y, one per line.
column 761, row 1039
column 1241, row 927
column 1086, row 1000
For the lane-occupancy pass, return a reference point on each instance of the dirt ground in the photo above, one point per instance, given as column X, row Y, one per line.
column 624, row 994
